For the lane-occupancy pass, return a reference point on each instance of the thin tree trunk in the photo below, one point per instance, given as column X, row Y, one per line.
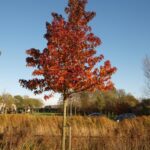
column 64, row 126
column 71, row 108
column 70, row 136
column 75, row 111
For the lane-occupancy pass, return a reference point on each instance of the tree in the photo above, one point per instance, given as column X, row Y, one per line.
column 7, row 99
column 32, row 102
column 143, row 108
column 67, row 64
column 26, row 101
column 146, row 68
column 19, row 101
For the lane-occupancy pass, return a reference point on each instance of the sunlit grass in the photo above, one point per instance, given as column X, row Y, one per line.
column 38, row 132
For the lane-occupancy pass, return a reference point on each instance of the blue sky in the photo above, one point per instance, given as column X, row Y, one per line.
column 122, row 25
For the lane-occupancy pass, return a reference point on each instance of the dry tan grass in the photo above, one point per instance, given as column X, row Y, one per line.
column 29, row 132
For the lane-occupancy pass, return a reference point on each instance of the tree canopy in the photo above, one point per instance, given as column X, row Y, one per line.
column 67, row 64
column 20, row 101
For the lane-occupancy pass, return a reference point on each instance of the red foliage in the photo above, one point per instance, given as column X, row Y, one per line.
column 67, row 64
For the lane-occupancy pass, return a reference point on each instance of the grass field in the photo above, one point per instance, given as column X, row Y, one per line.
column 38, row 132
column 47, row 114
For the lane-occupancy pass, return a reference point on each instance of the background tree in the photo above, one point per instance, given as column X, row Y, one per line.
column 33, row 103
column 22, row 102
column 7, row 99
column 67, row 64
column 107, row 102
column 0, row 99
column 146, row 68
column 19, row 101
column 125, row 104
column 143, row 108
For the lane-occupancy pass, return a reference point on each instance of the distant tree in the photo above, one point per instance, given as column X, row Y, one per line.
column 104, row 100
column 19, row 101
column 146, row 106
column 0, row 98
column 8, row 99
column 67, row 64
column 114, row 101
column 143, row 108
column 34, row 103
column 86, row 102
column 26, row 101
column 118, row 101
column 146, row 68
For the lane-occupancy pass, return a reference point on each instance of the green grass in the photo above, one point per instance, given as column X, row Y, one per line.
column 46, row 114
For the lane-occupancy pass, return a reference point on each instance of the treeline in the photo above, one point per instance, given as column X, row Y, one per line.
column 110, row 102
column 21, row 102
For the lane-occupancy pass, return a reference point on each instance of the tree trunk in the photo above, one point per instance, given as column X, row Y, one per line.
column 75, row 110
column 70, row 138
column 71, row 108
column 64, row 126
